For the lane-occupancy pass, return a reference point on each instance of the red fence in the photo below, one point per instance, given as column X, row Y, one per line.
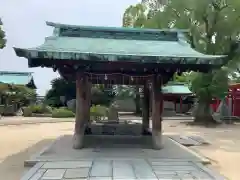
column 233, row 97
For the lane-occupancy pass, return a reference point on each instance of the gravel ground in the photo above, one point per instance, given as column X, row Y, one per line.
column 19, row 142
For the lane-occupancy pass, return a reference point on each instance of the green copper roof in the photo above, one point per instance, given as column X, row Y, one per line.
column 17, row 78
column 117, row 44
column 176, row 89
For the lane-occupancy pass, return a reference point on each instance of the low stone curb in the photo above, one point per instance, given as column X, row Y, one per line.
column 211, row 172
column 18, row 123
column 204, row 160
column 33, row 159
column 32, row 171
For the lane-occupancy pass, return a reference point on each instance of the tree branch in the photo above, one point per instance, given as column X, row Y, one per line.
column 176, row 13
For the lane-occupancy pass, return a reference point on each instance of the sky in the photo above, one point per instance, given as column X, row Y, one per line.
column 24, row 24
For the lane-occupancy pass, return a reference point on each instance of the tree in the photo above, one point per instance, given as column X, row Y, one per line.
column 17, row 94
column 61, row 87
column 185, row 77
column 134, row 16
column 2, row 36
column 214, row 28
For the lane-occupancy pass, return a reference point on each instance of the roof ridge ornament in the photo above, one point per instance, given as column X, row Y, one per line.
column 56, row 31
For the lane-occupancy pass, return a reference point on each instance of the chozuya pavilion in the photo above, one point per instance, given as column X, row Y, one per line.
column 116, row 55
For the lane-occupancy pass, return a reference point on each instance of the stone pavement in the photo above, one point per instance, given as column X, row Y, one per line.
column 117, row 158
column 116, row 169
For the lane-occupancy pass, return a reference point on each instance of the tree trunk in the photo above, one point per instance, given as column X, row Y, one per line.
column 203, row 114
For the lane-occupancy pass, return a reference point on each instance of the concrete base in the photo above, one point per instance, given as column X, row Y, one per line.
column 78, row 141
column 122, row 147
column 157, row 140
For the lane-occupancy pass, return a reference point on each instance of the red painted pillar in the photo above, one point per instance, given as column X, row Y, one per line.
column 233, row 101
column 217, row 105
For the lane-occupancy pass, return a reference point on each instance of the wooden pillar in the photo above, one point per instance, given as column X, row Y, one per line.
column 88, row 106
column 145, row 111
column 181, row 104
column 157, row 99
column 175, row 106
column 81, row 109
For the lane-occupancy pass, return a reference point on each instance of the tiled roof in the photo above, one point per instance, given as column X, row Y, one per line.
column 18, row 78
column 118, row 44
column 176, row 89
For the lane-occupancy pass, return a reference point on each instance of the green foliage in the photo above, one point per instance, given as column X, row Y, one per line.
column 17, row 94
column 214, row 28
column 27, row 112
column 185, row 77
column 40, row 109
column 62, row 113
column 61, row 87
column 206, row 20
column 7, row 110
column 124, row 92
column 98, row 112
column 2, row 36
column 134, row 16
column 2, row 107
column 101, row 95
column 209, row 85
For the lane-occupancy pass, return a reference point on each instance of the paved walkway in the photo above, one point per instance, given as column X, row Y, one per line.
column 60, row 162
column 120, row 170
column 112, row 147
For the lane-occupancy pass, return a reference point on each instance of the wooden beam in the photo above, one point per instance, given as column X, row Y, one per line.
column 88, row 106
column 105, row 66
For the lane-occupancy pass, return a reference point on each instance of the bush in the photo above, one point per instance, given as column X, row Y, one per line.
column 62, row 113
column 27, row 112
column 2, row 107
column 41, row 109
column 9, row 110
column 98, row 112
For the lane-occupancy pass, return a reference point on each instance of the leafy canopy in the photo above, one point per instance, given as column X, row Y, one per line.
column 214, row 28
column 2, row 36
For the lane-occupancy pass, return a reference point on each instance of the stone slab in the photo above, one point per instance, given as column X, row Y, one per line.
column 53, row 174
column 130, row 169
column 38, row 174
column 29, row 174
column 101, row 168
column 77, row 173
column 123, row 169
column 67, row 164
column 100, row 178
